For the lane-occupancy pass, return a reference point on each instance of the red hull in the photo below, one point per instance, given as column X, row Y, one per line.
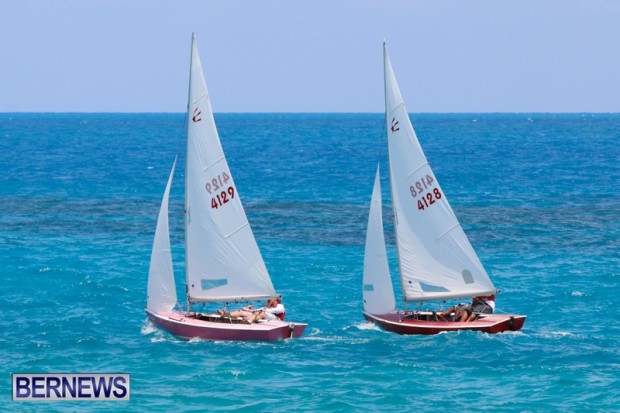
column 492, row 323
column 189, row 327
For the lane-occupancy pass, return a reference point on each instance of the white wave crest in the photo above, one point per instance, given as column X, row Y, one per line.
column 367, row 326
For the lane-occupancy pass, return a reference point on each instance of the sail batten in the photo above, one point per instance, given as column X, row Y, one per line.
column 204, row 95
column 417, row 169
column 398, row 106
column 206, row 168
column 237, row 230
column 456, row 225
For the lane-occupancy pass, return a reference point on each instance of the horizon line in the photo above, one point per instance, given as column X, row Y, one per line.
column 304, row 113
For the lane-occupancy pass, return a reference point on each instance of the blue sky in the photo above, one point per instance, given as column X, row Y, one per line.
column 311, row 56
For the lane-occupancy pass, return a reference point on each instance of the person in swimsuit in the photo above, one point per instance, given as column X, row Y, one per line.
column 470, row 312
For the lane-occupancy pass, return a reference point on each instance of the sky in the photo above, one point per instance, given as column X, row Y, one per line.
column 311, row 56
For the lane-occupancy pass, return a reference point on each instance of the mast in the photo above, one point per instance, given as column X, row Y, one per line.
column 186, row 212
column 394, row 214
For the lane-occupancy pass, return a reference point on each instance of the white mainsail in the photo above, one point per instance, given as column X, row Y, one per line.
column 223, row 262
column 161, row 291
column 435, row 257
column 378, row 292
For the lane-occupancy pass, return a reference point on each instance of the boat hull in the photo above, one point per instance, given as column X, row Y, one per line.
column 489, row 323
column 188, row 328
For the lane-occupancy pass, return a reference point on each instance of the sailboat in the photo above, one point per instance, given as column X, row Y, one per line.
column 436, row 260
column 223, row 263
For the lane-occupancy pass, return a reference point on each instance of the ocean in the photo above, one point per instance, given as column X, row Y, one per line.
column 537, row 194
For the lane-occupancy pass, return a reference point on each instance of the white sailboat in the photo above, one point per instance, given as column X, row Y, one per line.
column 223, row 262
column 436, row 260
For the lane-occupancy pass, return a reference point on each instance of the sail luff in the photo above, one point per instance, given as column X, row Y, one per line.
column 387, row 71
column 185, row 209
column 161, row 289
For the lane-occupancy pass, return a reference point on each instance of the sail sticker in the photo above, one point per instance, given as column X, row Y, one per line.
column 196, row 116
column 222, row 198
column 209, row 284
column 429, row 199
column 221, row 194
column 468, row 277
column 218, row 182
column 394, row 127
column 421, row 185
column 369, row 287
column 425, row 194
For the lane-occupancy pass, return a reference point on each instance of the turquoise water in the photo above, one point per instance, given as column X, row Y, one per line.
column 538, row 195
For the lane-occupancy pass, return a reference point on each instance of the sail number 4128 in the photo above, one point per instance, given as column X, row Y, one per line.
column 423, row 189
column 217, row 188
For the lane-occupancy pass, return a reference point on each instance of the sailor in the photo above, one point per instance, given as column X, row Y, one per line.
column 470, row 312
column 273, row 310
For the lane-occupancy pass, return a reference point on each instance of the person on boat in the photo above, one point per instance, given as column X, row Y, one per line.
column 247, row 313
column 470, row 312
column 274, row 309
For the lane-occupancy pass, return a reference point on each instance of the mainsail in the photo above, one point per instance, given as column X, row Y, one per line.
column 378, row 292
column 161, row 291
column 223, row 262
column 435, row 257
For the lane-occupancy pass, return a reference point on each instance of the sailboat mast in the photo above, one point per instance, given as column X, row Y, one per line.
column 186, row 210
column 394, row 213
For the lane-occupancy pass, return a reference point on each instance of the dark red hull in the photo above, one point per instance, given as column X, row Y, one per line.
column 492, row 323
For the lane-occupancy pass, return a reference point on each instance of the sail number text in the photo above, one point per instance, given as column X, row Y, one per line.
column 221, row 193
column 422, row 189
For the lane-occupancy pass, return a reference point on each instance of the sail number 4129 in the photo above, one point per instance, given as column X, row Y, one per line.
column 223, row 197
column 217, row 188
column 423, row 189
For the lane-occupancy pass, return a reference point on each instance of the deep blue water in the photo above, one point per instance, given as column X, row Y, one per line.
column 538, row 195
